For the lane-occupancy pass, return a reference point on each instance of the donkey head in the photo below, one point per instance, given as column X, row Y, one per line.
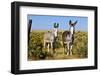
column 55, row 30
column 72, row 26
column 56, row 25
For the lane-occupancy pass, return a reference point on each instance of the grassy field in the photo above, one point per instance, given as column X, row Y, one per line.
column 36, row 51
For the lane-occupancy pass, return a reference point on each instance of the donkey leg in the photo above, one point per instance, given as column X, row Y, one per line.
column 71, row 46
column 65, row 49
column 68, row 47
column 44, row 44
column 48, row 47
column 51, row 47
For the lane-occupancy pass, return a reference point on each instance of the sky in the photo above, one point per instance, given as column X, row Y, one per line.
column 46, row 22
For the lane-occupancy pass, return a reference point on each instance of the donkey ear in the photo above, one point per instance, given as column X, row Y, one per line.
column 75, row 23
column 57, row 24
column 54, row 24
column 70, row 22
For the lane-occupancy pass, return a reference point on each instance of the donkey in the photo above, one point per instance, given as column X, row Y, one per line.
column 68, row 38
column 50, row 37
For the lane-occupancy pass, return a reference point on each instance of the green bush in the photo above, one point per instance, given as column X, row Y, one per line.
column 35, row 48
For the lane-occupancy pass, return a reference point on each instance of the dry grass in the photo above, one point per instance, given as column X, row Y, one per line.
column 79, row 47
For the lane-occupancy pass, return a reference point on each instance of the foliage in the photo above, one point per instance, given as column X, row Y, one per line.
column 36, row 49
column 81, row 44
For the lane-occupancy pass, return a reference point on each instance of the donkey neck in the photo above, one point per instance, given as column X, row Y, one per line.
column 72, row 30
column 55, row 30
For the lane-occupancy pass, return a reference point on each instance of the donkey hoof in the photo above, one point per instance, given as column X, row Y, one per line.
column 71, row 54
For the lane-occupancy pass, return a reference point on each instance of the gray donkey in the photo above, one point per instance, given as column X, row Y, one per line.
column 68, row 38
column 50, row 37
